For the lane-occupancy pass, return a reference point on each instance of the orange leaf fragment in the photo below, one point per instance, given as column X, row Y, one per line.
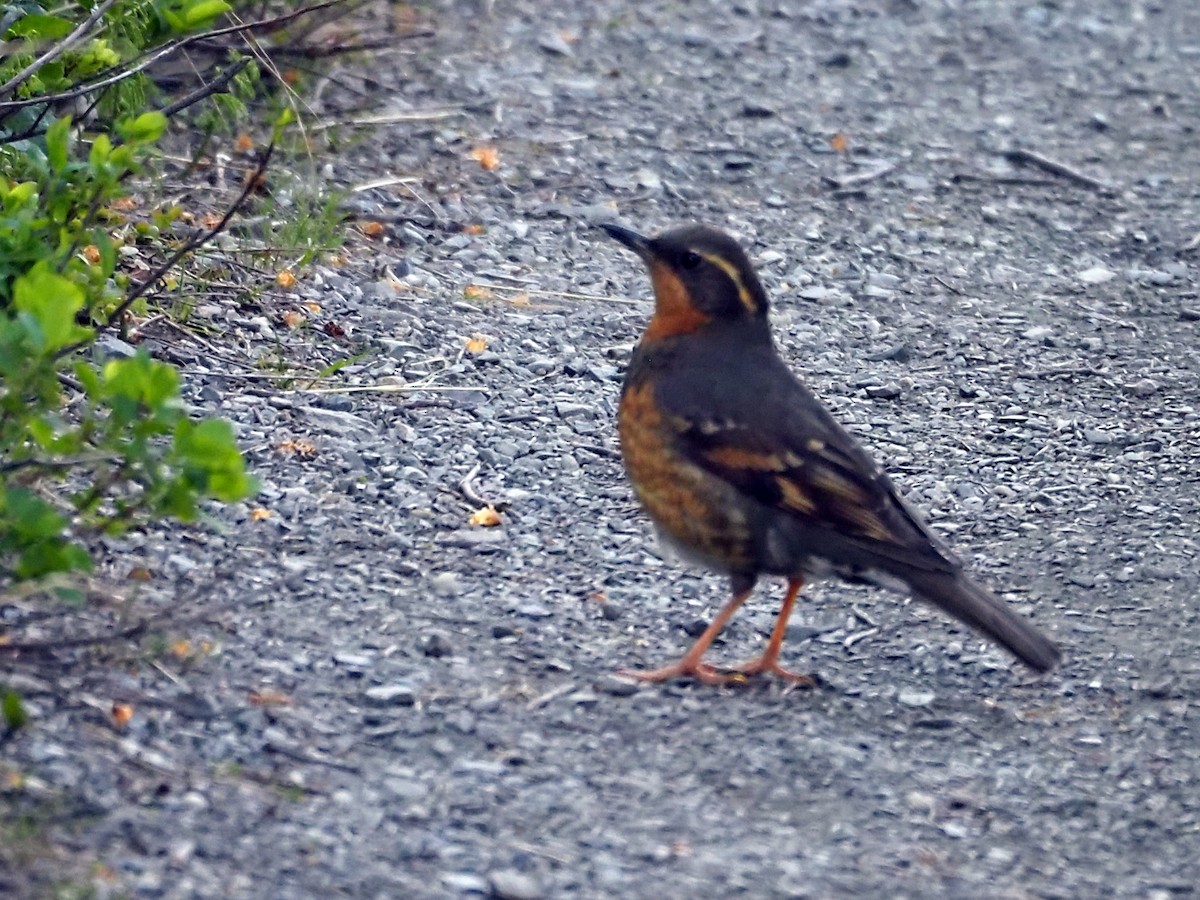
column 92, row 254
column 475, row 292
column 486, row 517
column 269, row 697
column 372, row 229
column 312, row 306
column 474, row 229
column 286, row 278
column 182, row 649
column 521, row 300
column 293, row 319
column 488, row 157
column 259, row 513
column 244, row 143
column 121, row 714
column 298, row 446
column 839, row 142
column 139, row 573
column 125, row 204
column 476, row 344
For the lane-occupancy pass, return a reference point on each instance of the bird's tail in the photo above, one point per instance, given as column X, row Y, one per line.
column 985, row 612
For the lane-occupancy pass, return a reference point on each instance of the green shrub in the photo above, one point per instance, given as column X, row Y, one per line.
column 86, row 446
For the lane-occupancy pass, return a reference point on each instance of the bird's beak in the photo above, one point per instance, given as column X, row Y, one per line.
column 638, row 243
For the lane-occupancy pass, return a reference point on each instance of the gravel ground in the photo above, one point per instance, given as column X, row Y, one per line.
column 396, row 703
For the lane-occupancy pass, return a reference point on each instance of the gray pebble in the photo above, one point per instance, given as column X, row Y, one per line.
column 509, row 884
column 883, row 391
column 616, row 686
column 400, row 693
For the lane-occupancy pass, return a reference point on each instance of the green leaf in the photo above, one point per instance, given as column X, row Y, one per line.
column 101, row 150
column 87, row 375
column 142, row 380
column 51, row 301
column 212, row 460
column 14, row 710
column 35, row 25
column 32, row 518
column 205, row 11
column 146, row 128
column 19, row 195
column 58, row 143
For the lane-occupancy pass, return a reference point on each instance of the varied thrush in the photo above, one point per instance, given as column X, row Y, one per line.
column 743, row 470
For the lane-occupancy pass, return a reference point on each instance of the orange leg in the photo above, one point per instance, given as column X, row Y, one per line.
column 769, row 660
column 692, row 665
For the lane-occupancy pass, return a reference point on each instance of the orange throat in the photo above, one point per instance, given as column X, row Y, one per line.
column 674, row 312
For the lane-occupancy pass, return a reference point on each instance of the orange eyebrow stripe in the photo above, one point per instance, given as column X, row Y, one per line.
column 735, row 276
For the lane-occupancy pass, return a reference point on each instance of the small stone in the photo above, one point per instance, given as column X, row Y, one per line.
column 901, row 353
column 755, row 110
column 554, row 43
column 1038, row 333
column 109, row 347
column 465, row 882
column 481, row 540
column 1000, row 855
column 569, row 410
column 883, row 391
column 1096, row 275
column 501, row 630
column 1144, row 387
column 617, row 686
column 916, row 698
column 509, row 884
column 436, row 645
column 353, row 660
column 400, row 693
column 534, row 611
column 445, row 584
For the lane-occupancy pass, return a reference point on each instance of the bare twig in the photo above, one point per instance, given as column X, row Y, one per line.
column 858, row 179
column 153, row 56
column 66, row 643
column 1029, row 158
column 416, row 115
column 206, row 90
column 466, row 487
column 69, row 462
column 567, row 294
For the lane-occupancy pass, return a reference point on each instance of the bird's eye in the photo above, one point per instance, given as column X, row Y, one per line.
column 690, row 260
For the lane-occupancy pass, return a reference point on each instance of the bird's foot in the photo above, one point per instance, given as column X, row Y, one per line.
column 702, row 672
column 763, row 665
column 706, row 674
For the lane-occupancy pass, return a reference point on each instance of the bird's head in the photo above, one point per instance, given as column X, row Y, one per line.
column 700, row 276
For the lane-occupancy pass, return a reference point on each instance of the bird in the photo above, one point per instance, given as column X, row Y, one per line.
column 744, row 471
